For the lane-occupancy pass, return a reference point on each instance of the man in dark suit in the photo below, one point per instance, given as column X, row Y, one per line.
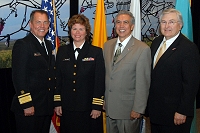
column 127, row 77
column 33, row 77
column 174, row 78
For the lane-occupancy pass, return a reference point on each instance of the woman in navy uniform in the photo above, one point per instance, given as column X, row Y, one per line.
column 80, row 81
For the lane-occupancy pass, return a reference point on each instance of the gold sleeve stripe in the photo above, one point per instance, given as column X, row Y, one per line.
column 25, row 99
column 24, row 95
column 57, row 98
column 97, row 101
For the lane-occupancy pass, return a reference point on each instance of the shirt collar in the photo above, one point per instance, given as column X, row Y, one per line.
column 77, row 47
column 125, row 41
column 171, row 40
column 39, row 39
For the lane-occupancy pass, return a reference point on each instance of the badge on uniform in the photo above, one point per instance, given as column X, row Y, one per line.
column 66, row 59
column 88, row 59
column 37, row 54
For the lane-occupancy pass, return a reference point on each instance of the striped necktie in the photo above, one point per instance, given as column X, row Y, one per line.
column 117, row 52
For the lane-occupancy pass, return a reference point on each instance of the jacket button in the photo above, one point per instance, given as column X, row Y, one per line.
column 74, row 81
column 74, row 74
column 74, row 89
column 74, row 65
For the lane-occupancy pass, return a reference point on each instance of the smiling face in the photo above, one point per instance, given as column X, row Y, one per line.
column 123, row 26
column 78, row 33
column 170, row 25
column 39, row 25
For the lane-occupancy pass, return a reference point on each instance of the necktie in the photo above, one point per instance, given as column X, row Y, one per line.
column 77, row 49
column 118, row 52
column 76, row 53
column 43, row 48
column 160, row 53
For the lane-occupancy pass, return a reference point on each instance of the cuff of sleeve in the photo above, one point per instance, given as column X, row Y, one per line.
column 25, row 100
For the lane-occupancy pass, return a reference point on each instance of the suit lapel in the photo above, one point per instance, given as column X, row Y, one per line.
column 50, row 56
column 111, row 53
column 169, row 52
column 70, row 51
column 38, row 46
column 126, row 50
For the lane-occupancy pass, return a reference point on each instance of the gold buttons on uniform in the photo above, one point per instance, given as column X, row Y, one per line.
column 49, row 78
column 74, row 81
column 74, row 65
column 74, row 74
column 74, row 89
column 49, row 89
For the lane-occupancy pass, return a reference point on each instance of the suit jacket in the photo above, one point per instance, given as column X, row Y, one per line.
column 33, row 76
column 128, row 79
column 80, row 83
column 174, row 81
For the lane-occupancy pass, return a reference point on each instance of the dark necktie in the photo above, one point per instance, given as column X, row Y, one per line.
column 43, row 48
column 78, row 50
column 117, row 53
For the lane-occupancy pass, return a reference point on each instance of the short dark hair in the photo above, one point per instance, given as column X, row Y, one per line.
column 38, row 11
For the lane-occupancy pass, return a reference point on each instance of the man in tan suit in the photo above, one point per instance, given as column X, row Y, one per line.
column 127, row 77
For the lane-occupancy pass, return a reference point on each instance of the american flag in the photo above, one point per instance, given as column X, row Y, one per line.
column 48, row 6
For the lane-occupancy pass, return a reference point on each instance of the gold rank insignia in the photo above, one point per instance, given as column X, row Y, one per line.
column 57, row 98
column 24, row 98
column 97, row 101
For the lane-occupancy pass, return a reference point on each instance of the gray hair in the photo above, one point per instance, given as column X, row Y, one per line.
column 127, row 13
column 172, row 10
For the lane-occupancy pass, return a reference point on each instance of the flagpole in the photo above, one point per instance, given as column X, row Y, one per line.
column 55, row 27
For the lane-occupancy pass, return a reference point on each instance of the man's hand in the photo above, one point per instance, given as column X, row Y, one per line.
column 58, row 110
column 179, row 119
column 135, row 115
column 95, row 114
column 29, row 111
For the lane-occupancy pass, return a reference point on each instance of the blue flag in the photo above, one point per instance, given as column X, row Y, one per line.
column 184, row 7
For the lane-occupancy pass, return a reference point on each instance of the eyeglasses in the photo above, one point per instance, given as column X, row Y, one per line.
column 39, row 23
column 171, row 23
